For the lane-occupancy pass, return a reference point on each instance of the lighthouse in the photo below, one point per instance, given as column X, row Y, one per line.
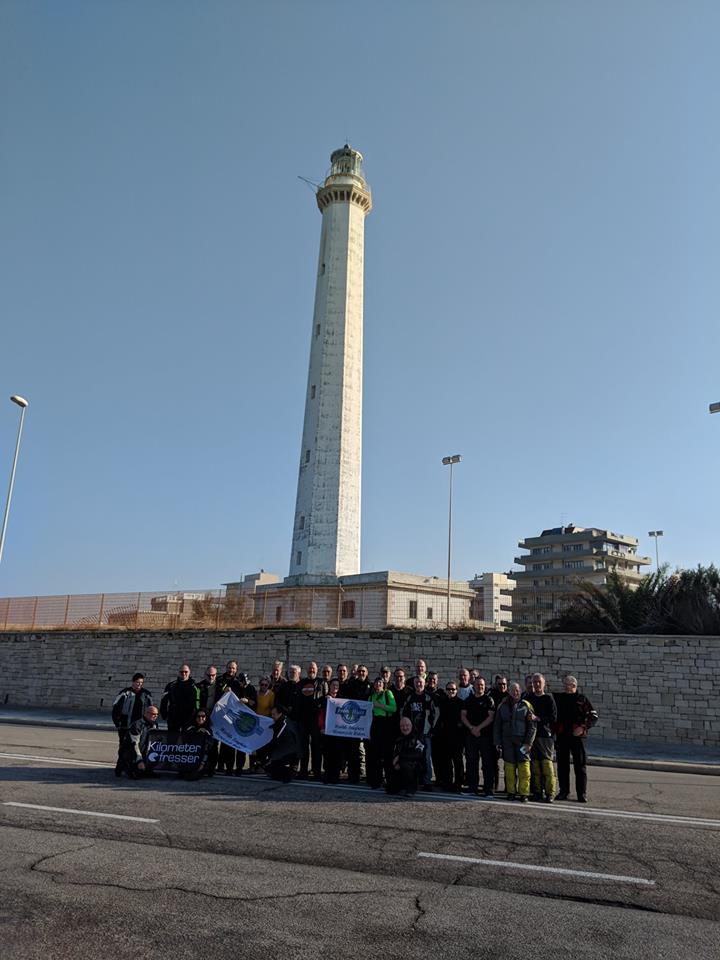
column 326, row 529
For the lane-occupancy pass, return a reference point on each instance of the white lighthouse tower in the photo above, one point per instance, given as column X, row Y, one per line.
column 326, row 532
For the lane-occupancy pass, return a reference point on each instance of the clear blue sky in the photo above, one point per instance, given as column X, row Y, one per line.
column 541, row 291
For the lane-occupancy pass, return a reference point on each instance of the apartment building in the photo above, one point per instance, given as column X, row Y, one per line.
column 493, row 599
column 559, row 559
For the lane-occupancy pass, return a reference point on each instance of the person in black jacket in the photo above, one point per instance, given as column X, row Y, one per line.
column 285, row 749
column 575, row 716
column 448, row 739
column 408, row 761
column 128, row 707
column 477, row 716
column 357, row 688
column 137, row 743
column 180, row 700
column 227, row 683
column 422, row 710
column 312, row 691
column 542, row 772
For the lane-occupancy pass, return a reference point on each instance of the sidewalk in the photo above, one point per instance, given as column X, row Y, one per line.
column 658, row 756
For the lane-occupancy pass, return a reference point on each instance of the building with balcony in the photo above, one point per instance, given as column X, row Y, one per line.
column 493, row 599
column 559, row 559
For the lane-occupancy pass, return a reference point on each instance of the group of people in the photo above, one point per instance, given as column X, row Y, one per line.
column 423, row 734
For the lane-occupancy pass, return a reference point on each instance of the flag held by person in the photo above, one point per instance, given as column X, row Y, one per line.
column 348, row 718
column 238, row 726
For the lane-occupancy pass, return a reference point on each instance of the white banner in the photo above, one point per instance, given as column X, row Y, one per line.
column 348, row 718
column 238, row 726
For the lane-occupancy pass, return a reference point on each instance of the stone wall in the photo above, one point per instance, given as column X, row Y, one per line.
column 645, row 688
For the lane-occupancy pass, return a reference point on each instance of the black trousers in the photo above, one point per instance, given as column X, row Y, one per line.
column 311, row 751
column 448, row 762
column 565, row 747
column 406, row 778
column 378, row 750
column 480, row 750
column 233, row 760
column 280, row 769
column 333, row 749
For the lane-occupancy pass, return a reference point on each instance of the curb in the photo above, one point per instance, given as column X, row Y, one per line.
column 661, row 766
column 69, row 724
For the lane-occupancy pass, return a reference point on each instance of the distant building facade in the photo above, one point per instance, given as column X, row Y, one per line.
column 366, row 601
column 559, row 559
column 492, row 602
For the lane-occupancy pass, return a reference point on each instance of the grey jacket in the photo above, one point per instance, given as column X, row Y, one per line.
column 514, row 722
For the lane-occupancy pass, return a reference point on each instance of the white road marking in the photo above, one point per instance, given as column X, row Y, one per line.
column 96, row 740
column 80, row 763
column 559, row 871
column 82, row 813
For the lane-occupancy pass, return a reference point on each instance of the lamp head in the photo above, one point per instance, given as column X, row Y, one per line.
column 20, row 401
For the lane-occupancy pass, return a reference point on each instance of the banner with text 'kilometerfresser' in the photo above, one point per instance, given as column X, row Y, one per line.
column 348, row 718
column 238, row 726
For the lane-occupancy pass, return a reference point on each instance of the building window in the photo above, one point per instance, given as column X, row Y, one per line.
column 322, row 269
column 573, row 563
column 412, row 614
column 348, row 610
column 429, row 613
column 278, row 614
column 578, row 547
column 299, row 557
column 566, row 548
column 317, row 329
column 307, row 456
column 302, row 522
column 312, row 392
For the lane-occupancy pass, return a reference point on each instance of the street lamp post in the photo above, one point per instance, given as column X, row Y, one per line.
column 450, row 461
column 22, row 403
column 656, row 534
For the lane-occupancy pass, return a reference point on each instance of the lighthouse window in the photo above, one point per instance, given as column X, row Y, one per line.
column 302, row 523
column 317, row 330
column 299, row 557
column 312, row 392
column 307, row 456
column 322, row 269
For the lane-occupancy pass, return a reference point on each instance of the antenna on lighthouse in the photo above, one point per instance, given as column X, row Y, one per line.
column 311, row 183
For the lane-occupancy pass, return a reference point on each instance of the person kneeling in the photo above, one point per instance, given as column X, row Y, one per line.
column 408, row 761
column 286, row 747
column 138, row 736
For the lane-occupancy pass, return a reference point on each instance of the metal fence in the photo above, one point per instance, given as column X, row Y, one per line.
column 361, row 607
column 161, row 610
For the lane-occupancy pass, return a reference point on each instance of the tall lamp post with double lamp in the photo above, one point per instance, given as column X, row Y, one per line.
column 656, row 534
column 450, row 462
column 22, row 403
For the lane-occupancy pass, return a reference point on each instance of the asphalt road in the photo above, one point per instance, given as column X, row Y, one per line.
column 244, row 867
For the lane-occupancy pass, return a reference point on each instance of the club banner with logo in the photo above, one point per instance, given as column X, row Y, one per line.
column 348, row 718
column 176, row 752
column 238, row 726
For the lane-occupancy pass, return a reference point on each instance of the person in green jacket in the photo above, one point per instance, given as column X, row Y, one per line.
column 382, row 734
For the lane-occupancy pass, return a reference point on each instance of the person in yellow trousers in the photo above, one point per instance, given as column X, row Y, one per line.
column 514, row 732
column 543, row 784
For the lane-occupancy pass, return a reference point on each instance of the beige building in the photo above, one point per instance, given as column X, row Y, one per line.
column 562, row 557
column 366, row 601
column 492, row 602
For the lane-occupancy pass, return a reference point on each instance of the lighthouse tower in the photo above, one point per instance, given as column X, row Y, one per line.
column 326, row 532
